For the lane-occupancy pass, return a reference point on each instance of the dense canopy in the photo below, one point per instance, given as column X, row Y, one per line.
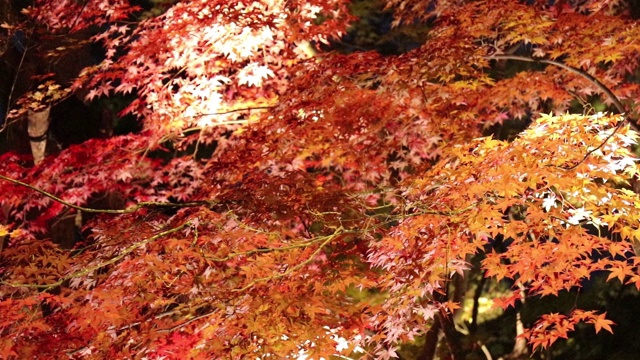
column 280, row 199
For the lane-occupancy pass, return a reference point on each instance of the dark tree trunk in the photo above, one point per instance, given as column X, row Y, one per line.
column 431, row 341
column 451, row 335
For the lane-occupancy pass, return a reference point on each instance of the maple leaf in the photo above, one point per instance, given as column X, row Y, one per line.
column 339, row 194
column 253, row 74
column 387, row 353
column 508, row 301
column 620, row 272
column 600, row 322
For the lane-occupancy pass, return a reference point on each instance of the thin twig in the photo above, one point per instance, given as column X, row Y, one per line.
column 235, row 110
column 13, row 85
column 614, row 99
column 329, row 238
column 128, row 210
column 618, row 126
column 86, row 271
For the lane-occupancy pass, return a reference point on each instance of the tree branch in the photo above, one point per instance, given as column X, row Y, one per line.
column 128, row 210
column 614, row 99
column 327, row 239
column 592, row 79
column 85, row 271
column 233, row 111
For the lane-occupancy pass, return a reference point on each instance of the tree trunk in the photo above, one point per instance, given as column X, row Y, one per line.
column 473, row 327
column 38, row 125
column 520, row 349
column 451, row 335
column 431, row 341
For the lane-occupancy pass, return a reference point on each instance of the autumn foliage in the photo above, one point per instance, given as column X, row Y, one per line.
column 344, row 193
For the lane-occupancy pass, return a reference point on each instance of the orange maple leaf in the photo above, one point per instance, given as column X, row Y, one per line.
column 600, row 322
